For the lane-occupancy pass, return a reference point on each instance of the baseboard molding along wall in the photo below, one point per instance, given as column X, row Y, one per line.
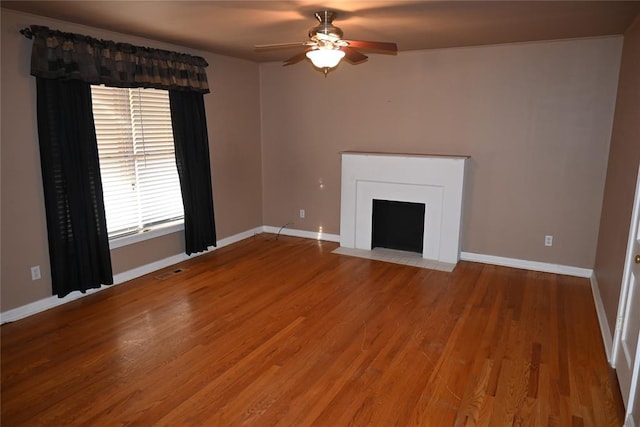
column 602, row 319
column 53, row 301
column 301, row 233
column 528, row 265
column 629, row 422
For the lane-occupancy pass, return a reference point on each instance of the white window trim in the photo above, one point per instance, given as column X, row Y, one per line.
column 146, row 234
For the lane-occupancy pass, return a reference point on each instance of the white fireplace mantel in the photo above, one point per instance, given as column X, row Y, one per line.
column 436, row 181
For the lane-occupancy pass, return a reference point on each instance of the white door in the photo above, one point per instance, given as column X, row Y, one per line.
column 626, row 348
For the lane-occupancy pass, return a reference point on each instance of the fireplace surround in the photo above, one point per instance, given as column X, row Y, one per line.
column 435, row 181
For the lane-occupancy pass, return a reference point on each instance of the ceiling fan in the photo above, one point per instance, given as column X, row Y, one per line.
column 325, row 47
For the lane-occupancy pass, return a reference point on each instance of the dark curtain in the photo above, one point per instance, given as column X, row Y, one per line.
column 76, row 225
column 192, row 158
column 65, row 64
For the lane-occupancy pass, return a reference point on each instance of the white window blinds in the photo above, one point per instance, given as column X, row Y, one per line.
column 137, row 159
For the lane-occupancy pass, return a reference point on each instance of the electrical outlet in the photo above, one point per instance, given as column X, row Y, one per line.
column 35, row 272
column 548, row 240
column 301, row 213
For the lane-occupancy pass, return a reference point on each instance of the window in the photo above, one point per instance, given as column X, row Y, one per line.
column 137, row 159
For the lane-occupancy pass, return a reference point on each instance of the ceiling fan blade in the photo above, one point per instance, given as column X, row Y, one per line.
column 283, row 45
column 296, row 58
column 382, row 46
column 353, row 55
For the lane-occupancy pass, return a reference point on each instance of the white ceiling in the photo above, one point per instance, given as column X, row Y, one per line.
column 234, row 27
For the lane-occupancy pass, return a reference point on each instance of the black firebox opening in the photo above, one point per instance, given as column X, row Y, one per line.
column 398, row 225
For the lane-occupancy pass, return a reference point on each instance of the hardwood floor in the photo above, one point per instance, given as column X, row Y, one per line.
column 283, row 332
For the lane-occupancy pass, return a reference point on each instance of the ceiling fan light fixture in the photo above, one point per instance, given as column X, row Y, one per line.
column 325, row 58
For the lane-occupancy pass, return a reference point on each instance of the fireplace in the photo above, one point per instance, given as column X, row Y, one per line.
column 436, row 182
column 397, row 225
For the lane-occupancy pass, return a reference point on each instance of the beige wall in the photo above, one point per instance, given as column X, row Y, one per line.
column 535, row 118
column 233, row 119
column 624, row 158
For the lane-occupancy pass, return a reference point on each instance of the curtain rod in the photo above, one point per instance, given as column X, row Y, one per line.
column 27, row 32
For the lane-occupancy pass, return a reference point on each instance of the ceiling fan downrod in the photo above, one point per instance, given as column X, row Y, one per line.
column 325, row 18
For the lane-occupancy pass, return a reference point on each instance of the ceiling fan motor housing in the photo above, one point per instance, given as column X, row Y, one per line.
column 326, row 17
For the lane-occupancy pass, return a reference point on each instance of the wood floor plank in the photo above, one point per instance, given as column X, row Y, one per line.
column 280, row 331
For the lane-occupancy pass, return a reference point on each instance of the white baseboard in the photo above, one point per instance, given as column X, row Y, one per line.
column 301, row 233
column 527, row 265
column 465, row 256
column 53, row 301
column 602, row 319
column 629, row 422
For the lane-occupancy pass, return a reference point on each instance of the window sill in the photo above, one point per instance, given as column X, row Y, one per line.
column 146, row 234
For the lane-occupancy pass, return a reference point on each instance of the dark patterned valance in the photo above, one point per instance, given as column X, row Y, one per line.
column 58, row 55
